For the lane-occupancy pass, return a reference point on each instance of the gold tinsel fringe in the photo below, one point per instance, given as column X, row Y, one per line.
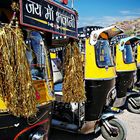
column 73, row 84
column 15, row 79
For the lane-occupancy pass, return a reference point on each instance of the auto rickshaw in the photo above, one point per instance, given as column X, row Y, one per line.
column 26, row 86
column 99, row 80
column 124, row 56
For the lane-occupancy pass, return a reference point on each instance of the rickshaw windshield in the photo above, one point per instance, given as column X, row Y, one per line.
column 128, row 54
column 36, row 55
column 103, row 54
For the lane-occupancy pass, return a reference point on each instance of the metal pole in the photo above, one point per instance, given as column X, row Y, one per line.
column 72, row 4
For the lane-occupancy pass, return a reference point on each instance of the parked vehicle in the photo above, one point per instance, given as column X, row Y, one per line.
column 91, row 115
column 26, row 86
column 124, row 56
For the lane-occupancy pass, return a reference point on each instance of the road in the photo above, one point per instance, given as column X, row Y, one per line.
column 131, row 121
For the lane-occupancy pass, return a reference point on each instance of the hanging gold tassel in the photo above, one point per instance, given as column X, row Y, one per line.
column 73, row 84
column 16, row 87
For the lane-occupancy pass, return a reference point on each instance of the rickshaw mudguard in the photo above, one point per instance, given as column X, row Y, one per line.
column 92, row 71
column 20, row 128
column 124, row 81
column 96, row 93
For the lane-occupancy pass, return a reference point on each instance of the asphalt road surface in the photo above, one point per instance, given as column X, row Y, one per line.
column 131, row 121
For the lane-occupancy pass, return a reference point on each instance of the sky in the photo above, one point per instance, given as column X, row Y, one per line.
column 106, row 12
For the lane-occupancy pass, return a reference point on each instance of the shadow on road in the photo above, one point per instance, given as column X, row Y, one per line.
column 63, row 135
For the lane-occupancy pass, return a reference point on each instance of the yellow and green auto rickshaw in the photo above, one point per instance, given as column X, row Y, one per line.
column 80, row 116
column 124, row 56
column 26, row 86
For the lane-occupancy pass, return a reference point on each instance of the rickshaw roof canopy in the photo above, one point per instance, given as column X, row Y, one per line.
column 110, row 31
column 124, row 40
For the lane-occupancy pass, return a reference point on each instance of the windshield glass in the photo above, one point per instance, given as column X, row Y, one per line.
column 36, row 55
column 103, row 53
column 128, row 54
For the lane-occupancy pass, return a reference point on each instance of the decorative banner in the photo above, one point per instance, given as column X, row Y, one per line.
column 48, row 16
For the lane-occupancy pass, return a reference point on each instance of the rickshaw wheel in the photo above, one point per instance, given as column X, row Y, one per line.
column 131, row 107
column 121, row 130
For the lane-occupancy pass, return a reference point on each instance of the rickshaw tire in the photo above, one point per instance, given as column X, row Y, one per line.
column 130, row 107
column 121, row 127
